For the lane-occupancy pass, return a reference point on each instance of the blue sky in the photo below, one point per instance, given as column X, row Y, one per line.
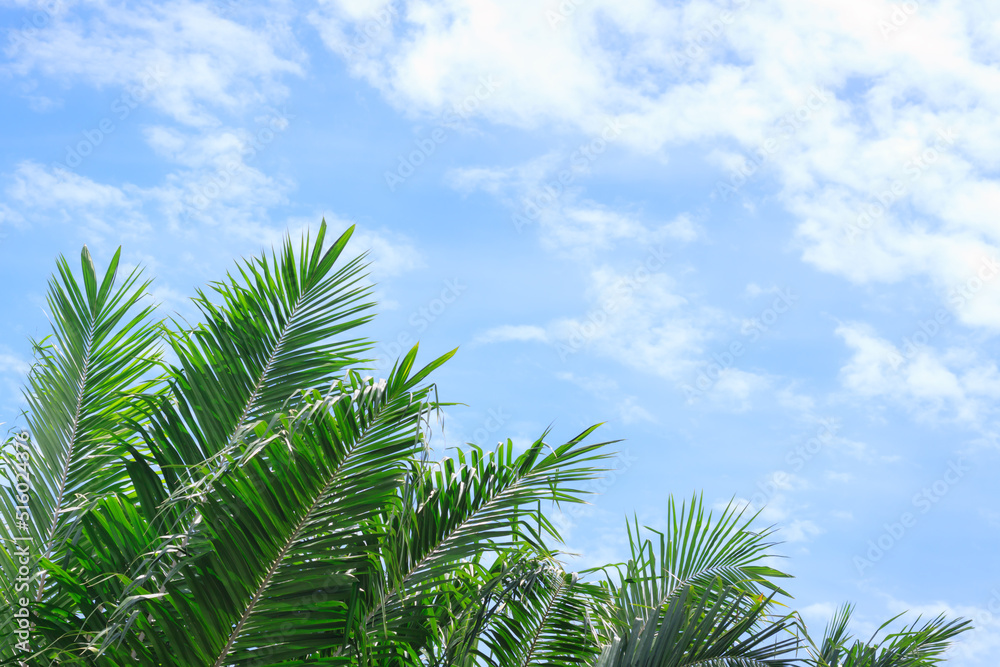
column 757, row 239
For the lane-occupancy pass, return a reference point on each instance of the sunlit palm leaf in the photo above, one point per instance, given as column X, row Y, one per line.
column 481, row 502
column 718, row 628
column 104, row 347
column 548, row 623
column 916, row 645
column 696, row 551
column 279, row 329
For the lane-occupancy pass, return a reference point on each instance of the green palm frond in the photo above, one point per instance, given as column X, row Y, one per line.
column 288, row 533
column 468, row 621
column 721, row 627
column 92, row 580
column 697, row 552
column 829, row 653
column 916, row 645
column 279, row 329
column 481, row 502
column 104, row 347
column 548, row 623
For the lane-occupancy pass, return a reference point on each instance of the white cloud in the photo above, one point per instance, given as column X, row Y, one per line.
column 185, row 59
column 735, row 387
column 630, row 411
column 41, row 194
column 628, row 407
column 819, row 614
column 776, row 508
column 644, row 324
column 682, row 228
column 635, row 317
column 639, row 319
column 219, row 77
column 589, row 225
column 850, row 108
column 511, row 332
column 788, row 398
column 545, row 194
column 13, row 364
column 954, row 384
column 238, row 195
column 799, row 530
column 440, row 51
column 390, row 253
column 35, row 186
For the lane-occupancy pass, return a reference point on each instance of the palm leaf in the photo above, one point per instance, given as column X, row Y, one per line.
column 104, row 347
column 696, row 552
column 721, row 627
column 916, row 645
column 481, row 502
column 282, row 535
column 549, row 623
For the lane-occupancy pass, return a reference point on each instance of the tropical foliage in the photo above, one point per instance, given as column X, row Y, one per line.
column 240, row 492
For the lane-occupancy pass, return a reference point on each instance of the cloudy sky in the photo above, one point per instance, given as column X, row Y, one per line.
column 756, row 238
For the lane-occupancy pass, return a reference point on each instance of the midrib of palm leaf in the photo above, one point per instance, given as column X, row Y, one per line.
column 276, row 564
column 94, row 307
column 248, row 407
column 385, row 399
column 544, row 618
column 251, row 403
column 81, row 390
column 728, row 566
column 308, row 281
